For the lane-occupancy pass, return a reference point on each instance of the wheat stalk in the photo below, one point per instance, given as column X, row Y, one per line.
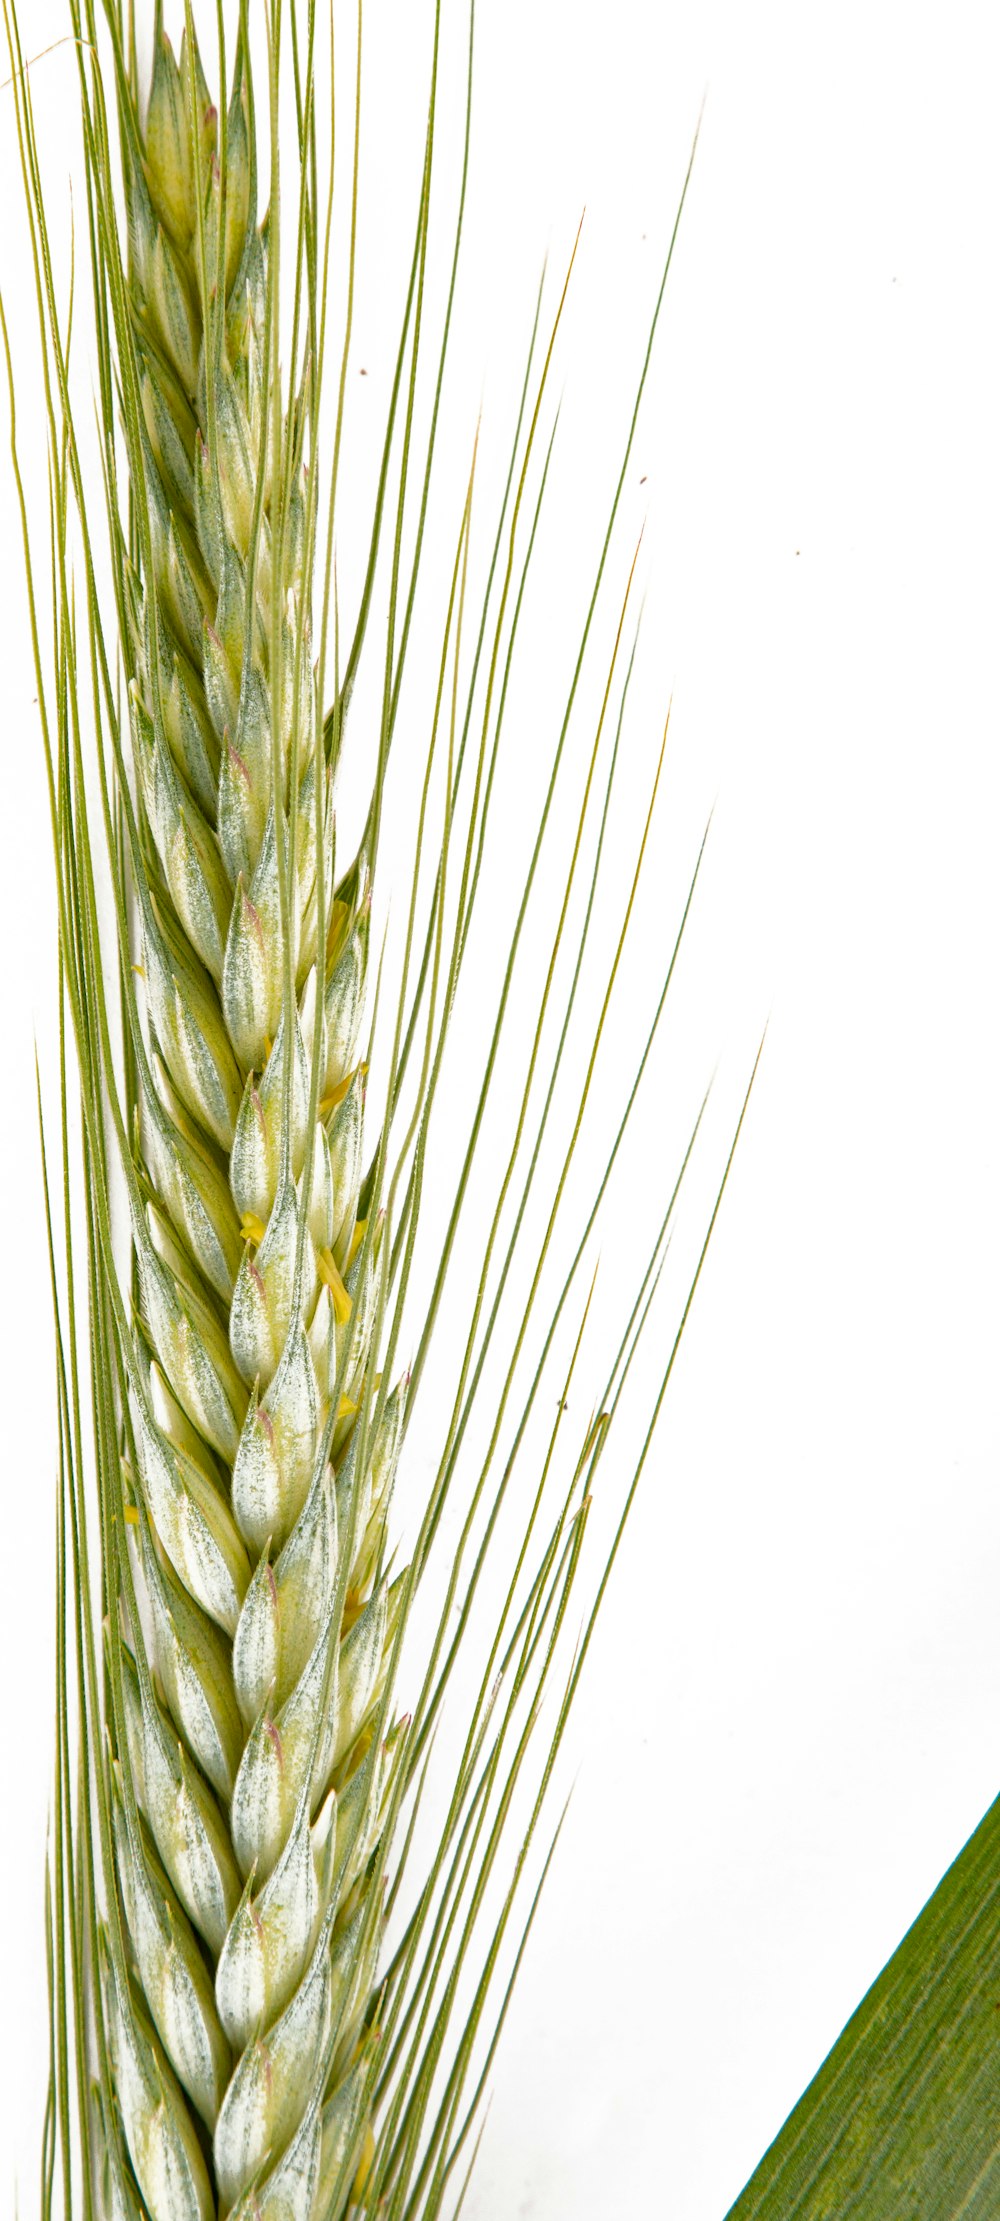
column 245, row 1770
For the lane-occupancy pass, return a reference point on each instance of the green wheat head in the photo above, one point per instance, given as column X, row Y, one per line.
column 238, row 1765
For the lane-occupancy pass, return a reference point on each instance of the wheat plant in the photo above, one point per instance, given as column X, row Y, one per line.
column 275, row 1994
column 325, row 1277
column 327, row 1300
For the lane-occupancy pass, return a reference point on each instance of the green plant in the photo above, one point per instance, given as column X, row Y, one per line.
column 902, row 2118
column 237, row 1793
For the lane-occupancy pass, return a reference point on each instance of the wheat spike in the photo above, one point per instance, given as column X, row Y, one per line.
column 261, row 1488
column 230, row 2041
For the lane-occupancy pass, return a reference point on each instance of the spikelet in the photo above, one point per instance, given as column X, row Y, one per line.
column 264, row 1452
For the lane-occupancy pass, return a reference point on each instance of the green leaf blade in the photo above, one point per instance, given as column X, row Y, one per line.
column 902, row 2122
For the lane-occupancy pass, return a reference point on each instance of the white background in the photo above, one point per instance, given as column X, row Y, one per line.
column 789, row 1722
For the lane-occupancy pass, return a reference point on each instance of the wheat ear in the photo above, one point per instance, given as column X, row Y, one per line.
column 228, row 1787
column 264, row 1457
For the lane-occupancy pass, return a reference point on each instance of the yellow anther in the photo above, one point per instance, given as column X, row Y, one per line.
column 329, row 1102
column 330, row 1276
column 139, row 970
column 365, row 2166
column 354, row 1604
column 346, row 1408
column 356, row 1240
column 338, row 912
column 131, row 1516
column 268, row 1046
column 252, row 1228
